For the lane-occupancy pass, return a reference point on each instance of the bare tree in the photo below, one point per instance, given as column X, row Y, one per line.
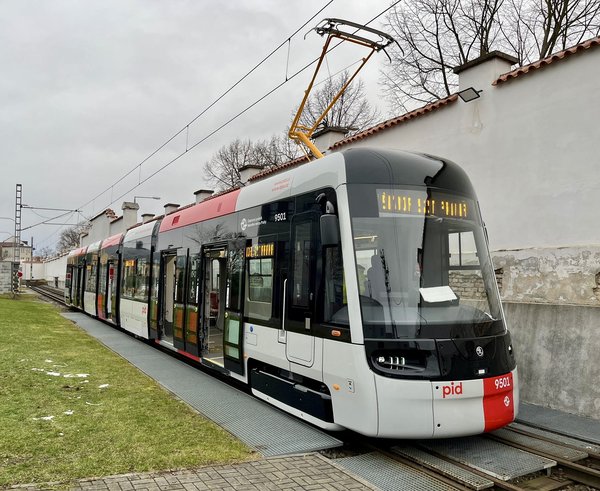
column 45, row 252
column 222, row 170
column 434, row 36
column 553, row 25
column 278, row 150
column 352, row 110
column 69, row 237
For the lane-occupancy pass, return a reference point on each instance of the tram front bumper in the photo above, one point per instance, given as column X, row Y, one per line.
column 424, row 409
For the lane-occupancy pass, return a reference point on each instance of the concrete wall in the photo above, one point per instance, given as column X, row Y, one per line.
column 557, row 350
column 563, row 275
column 5, row 277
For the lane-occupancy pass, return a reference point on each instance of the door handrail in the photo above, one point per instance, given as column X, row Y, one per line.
column 284, row 304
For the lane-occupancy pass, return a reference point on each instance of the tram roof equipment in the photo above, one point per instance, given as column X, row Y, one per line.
column 334, row 28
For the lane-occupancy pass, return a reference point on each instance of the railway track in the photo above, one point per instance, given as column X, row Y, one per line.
column 575, row 464
column 54, row 294
column 570, row 464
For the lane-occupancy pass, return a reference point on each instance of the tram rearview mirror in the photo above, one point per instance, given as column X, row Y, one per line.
column 330, row 230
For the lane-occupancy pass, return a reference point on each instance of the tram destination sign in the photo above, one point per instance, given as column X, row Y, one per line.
column 392, row 202
column 260, row 250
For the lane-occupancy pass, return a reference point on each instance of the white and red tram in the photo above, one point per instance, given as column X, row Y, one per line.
column 355, row 291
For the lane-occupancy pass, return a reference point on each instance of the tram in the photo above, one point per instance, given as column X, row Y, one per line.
column 355, row 291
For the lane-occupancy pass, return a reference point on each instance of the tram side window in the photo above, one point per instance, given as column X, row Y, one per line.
column 180, row 279
column 90, row 285
column 193, row 280
column 135, row 279
column 465, row 275
column 302, row 256
column 235, row 267
column 335, row 301
column 102, row 282
column 260, row 288
column 462, row 250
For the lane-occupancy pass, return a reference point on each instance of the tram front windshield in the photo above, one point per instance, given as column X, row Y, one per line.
column 423, row 266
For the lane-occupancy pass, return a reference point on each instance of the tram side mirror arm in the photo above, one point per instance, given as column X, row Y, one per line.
column 330, row 230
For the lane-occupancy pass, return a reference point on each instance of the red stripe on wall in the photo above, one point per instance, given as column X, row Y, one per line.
column 212, row 208
column 498, row 401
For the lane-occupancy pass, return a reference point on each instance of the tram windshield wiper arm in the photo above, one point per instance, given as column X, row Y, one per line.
column 388, row 290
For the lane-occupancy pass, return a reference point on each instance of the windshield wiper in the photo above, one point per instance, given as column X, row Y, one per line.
column 388, row 290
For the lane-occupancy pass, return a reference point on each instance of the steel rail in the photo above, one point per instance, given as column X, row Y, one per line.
column 576, row 472
column 431, row 472
column 49, row 292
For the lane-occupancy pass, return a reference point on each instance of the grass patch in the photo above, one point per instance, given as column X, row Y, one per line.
column 106, row 416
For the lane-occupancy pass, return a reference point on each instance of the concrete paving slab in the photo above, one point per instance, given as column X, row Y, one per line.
column 585, row 429
column 493, row 458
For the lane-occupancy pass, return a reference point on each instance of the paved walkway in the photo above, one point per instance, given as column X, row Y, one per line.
column 300, row 472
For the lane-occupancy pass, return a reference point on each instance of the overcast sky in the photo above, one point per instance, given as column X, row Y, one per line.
column 89, row 89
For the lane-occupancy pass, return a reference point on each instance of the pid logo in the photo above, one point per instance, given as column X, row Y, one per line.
column 452, row 390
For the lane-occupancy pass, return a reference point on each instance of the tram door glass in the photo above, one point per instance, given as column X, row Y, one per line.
column 168, row 297
column 69, row 284
column 78, row 283
column 233, row 324
column 155, row 292
column 111, row 292
column 301, row 290
column 214, row 298
column 192, row 310
column 103, row 296
column 179, row 302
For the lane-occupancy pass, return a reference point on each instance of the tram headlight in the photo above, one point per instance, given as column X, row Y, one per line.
column 391, row 361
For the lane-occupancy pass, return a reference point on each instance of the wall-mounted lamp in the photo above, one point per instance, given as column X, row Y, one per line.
column 469, row 94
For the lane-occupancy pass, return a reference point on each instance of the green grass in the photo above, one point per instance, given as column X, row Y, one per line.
column 132, row 425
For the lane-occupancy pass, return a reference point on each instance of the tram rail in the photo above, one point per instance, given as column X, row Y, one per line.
column 55, row 294
column 566, row 475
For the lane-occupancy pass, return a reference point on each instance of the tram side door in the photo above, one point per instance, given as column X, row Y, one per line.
column 214, row 290
column 78, row 286
column 300, row 295
column 167, row 300
column 222, row 300
column 233, row 332
column 110, row 270
column 69, row 284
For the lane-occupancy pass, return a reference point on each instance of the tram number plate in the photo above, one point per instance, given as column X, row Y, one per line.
column 502, row 383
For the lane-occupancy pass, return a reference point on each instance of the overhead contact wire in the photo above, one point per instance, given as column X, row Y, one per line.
column 212, row 133
column 210, row 105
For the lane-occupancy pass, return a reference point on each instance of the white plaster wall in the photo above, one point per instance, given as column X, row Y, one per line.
column 532, row 149
column 38, row 270
column 49, row 270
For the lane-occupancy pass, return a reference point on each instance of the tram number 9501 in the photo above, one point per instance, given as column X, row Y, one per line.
column 502, row 383
column 280, row 217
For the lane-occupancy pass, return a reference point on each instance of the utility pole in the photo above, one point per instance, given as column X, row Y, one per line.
column 31, row 261
column 17, row 240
